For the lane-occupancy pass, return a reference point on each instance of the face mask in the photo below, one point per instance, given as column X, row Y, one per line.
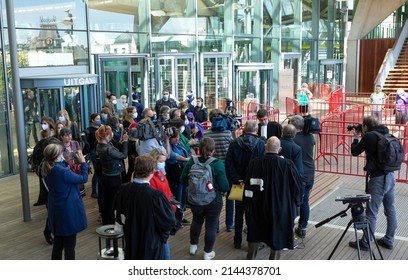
column 182, row 129
column 59, row 129
column 134, row 115
column 186, row 122
column 166, row 97
column 60, row 159
column 98, row 122
column 162, row 166
column 45, row 126
column 114, row 102
column 104, row 117
column 199, row 104
column 154, row 117
column 166, row 117
column 61, row 119
column 184, row 110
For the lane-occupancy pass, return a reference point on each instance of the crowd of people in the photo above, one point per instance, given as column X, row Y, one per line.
column 143, row 182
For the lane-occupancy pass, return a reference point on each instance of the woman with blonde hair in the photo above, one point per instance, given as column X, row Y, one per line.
column 66, row 210
column 63, row 117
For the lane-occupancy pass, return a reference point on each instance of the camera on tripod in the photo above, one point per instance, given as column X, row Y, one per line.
column 358, row 127
column 353, row 199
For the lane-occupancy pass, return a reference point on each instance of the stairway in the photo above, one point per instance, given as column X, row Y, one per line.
column 398, row 77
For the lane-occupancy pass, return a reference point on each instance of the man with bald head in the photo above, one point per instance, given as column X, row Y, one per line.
column 240, row 152
column 272, row 194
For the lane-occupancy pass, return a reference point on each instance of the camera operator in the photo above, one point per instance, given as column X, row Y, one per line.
column 379, row 184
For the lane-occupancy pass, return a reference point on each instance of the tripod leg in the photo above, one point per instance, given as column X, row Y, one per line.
column 375, row 241
column 357, row 241
column 341, row 237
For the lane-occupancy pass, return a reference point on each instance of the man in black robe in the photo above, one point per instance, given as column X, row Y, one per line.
column 272, row 194
column 146, row 214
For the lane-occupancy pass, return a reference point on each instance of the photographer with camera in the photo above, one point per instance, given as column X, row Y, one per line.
column 380, row 184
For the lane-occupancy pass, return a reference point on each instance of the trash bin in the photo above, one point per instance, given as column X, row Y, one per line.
column 110, row 235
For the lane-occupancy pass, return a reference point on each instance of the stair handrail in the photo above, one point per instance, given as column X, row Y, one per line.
column 391, row 57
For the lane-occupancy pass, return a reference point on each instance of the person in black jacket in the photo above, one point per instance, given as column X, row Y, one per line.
column 90, row 147
column 267, row 128
column 112, row 165
column 149, row 216
column 240, row 152
column 381, row 184
column 200, row 111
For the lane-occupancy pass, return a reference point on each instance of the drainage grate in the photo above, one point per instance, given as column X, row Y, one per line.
column 328, row 207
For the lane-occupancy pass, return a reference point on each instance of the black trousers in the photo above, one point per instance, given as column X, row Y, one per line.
column 66, row 244
column 110, row 185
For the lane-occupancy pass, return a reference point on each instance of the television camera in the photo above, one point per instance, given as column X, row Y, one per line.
column 358, row 127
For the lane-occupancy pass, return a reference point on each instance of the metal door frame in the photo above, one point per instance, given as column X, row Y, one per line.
column 255, row 67
column 230, row 77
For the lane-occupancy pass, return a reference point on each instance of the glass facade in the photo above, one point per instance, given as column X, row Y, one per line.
column 191, row 43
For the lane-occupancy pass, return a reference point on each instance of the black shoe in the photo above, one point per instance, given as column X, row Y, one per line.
column 300, row 232
column 48, row 237
column 237, row 245
column 185, row 221
column 384, row 244
column 38, row 203
column 94, row 195
column 363, row 245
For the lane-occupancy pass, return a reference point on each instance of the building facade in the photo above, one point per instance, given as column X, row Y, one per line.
column 71, row 52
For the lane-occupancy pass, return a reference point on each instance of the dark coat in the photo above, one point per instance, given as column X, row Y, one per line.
column 200, row 114
column 112, row 159
column 239, row 154
column 368, row 144
column 66, row 210
column 149, row 219
column 292, row 151
column 273, row 129
column 272, row 194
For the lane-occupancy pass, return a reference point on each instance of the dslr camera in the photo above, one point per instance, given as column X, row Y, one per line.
column 353, row 199
column 358, row 127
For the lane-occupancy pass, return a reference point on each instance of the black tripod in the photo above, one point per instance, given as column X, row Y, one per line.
column 360, row 222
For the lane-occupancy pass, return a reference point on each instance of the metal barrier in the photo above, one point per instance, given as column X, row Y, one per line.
column 332, row 150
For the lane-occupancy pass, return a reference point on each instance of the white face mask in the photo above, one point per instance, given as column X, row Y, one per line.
column 162, row 166
column 114, row 102
column 182, row 129
column 61, row 119
column 45, row 126
column 134, row 115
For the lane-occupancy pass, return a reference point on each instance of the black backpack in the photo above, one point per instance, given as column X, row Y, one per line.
column 312, row 124
column 390, row 152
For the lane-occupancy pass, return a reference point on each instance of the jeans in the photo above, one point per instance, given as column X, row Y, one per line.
column 304, row 207
column 167, row 251
column 180, row 193
column 66, row 244
column 229, row 212
column 382, row 190
column 211, row 214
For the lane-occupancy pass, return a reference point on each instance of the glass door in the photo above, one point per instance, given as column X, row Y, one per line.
column 118, row 74
column 254, row 84
column 216, row 78
column 331, row 71
column 175, row 73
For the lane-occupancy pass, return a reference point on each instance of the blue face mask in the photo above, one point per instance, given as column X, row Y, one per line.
column 154, row 117
column 162, row 166
column 61, row 119
column 104, row 117
column 186, row 122
column 166, row 97
column 98, row 122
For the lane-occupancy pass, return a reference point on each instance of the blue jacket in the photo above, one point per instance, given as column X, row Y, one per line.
column 177, row 149
column 66, row 210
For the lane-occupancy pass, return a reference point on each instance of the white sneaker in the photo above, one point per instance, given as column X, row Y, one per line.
column 209, row 256
column 193, row 249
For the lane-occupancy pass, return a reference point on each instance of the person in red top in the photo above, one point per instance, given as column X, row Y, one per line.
column 159, row 182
